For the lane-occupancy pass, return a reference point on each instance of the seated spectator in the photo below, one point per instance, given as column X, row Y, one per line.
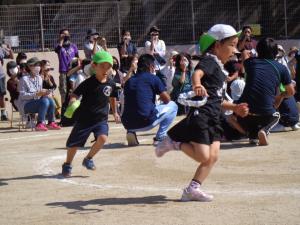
column 140, row 111
column 126, row 49
column 35, row 99
column 13, row 82
column 132, row 69
column 49, row 84
column 93, row 43
column 289, row 116
column 21, row 58
column 5, row 53
column 169, row 70
column 264, row 76
column 75, row 74
column 116, row 75
column 182, row 81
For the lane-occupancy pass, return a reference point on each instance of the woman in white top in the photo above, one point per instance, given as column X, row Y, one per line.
column 35, row 99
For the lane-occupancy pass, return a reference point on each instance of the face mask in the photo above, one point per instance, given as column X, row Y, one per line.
column 126, row 38
column 36, row 70
column 186, row 62
column 14, row 71
column 67, row 41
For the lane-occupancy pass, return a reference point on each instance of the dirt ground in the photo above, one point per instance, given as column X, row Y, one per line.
column 251, row 185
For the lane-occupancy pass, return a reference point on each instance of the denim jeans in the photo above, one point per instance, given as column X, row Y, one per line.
column 164, row 118
column 43, row 106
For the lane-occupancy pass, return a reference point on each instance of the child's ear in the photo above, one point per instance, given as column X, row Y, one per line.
column 93, row 65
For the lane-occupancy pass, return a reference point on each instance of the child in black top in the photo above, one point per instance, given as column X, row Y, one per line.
column 199, row 134
column 92, row 114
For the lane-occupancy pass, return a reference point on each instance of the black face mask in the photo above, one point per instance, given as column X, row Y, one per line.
column 115, row 66
column 67, row 41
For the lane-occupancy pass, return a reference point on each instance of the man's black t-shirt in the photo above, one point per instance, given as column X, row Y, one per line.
column 95, row 98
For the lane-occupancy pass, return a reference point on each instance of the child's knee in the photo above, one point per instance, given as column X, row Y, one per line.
column 101, row 139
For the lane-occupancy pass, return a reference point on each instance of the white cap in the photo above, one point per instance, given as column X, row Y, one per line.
column 173, row 53
column 280, row 48
column 237, row 88
column 222, row 31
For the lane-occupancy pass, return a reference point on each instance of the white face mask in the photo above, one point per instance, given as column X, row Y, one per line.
column 14, row 71
column 186, row 62
column 36, row 70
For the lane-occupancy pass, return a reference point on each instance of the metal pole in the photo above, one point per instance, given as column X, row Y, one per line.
column 285, row 20
column 239, row 14
column 193, row 21
column 42, row 28
column 119, row 21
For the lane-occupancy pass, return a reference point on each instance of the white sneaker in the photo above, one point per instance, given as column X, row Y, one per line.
column 278, row 128
column 166, row 145
column 295, row 127
column 195, row 194
column 262, row 137
column 132, row 139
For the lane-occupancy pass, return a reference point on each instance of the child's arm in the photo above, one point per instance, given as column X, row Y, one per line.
column 196, row 82
column 241, row 109
column 113, row 104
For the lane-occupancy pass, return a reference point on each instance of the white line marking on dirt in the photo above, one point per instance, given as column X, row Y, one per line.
column 33, row 136
column 45, row 169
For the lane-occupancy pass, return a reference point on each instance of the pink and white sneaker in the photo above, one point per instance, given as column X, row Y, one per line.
column 195, row 194
column 53, row 126
column 166, row 145
column 41, row 127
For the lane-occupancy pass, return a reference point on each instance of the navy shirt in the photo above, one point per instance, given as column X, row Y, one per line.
column 262, row 81
column 95, row 98
column 140, row 94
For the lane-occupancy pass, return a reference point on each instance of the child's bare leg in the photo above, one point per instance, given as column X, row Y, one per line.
column 97, row 146
column 205, row 167
column 190, row 150
column 71, row 154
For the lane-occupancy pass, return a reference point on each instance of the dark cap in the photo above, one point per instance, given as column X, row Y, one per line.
column 32, row 61
column 11, row 64
column 154, row 29
column 91, row 32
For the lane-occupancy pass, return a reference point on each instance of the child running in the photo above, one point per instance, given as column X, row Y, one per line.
column 92, row 114
column 199, row 134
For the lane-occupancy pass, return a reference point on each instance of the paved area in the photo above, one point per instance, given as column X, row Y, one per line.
column 251, row 185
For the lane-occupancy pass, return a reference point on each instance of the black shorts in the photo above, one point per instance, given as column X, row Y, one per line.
column 201, row 128
column 81, row 132
column 2, row 86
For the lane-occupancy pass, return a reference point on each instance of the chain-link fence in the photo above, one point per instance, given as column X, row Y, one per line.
column 36, row 27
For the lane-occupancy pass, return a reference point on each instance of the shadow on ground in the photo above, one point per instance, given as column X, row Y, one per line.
column 4, row 181
column 85, row 206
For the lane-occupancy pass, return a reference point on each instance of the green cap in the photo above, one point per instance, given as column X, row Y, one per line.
column 71, row 109
column 101, row 57
column 205, row 42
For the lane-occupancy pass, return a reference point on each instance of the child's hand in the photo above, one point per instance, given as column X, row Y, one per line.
column 241, row 109
column 200, row 90
column 117, row 117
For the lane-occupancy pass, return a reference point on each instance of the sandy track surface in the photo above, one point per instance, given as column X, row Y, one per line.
column 251, row 185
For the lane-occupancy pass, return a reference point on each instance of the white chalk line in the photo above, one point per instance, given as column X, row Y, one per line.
column 45, row 169
column 48, row 134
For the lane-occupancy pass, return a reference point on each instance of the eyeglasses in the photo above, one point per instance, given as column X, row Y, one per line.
column 154, row 34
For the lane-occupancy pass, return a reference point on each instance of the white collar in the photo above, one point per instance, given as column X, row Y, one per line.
column 218, row 61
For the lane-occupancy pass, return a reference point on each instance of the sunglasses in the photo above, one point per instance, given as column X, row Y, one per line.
column 154, row 34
